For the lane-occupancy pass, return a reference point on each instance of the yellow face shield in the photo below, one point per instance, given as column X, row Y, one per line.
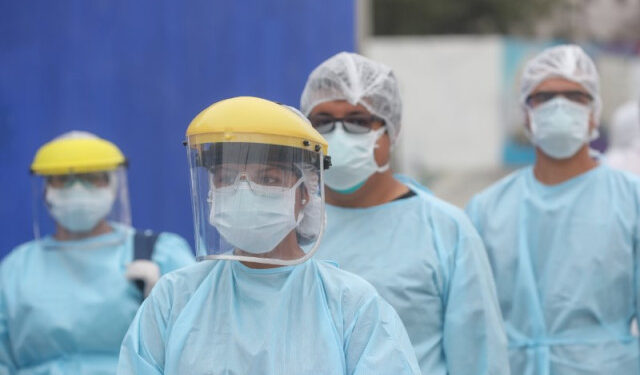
column 256, row 177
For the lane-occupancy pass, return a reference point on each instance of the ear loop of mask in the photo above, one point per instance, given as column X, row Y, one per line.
column 380, row 168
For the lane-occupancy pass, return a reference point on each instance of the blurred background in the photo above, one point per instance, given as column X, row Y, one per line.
column 137, row 72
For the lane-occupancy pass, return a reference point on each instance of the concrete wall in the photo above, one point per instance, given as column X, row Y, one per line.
column 450, row 88
column 457, row 112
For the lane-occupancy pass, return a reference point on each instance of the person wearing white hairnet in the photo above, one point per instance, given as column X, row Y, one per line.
column 562, row 235
column 422, row 254
column 68, row 297
column 624, row 148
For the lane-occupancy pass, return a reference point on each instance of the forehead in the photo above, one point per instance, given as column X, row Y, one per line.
column 558, row 84
column 339, row 108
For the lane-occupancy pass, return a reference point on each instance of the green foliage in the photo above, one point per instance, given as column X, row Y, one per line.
column 415, row 17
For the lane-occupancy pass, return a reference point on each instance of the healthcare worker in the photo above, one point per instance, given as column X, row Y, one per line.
column 422, row 255
column 66, row 299
column 624, row 148
column 563, row 235
column 265, row 307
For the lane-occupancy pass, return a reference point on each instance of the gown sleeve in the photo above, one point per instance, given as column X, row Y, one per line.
column 473, row 336
column 142, row 351
column 172, row 252
column 376, row 341
column 7, row 363
column 473, row 212
column 636, row 270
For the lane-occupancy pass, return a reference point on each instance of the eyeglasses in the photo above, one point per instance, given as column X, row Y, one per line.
column 355, row 124
column 97, row 179
column 541, row 97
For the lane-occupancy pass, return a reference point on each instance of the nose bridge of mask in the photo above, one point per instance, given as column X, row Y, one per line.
column 560, row 108
column 75, row 192
column 348, row 145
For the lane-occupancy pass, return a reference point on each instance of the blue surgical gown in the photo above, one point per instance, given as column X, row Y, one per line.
column 565, row 259
column 65, row 310
column 221, row 317
column 424, row 257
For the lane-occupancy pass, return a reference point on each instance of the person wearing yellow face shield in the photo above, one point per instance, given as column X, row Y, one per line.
column 67, row 298
column 257, row 302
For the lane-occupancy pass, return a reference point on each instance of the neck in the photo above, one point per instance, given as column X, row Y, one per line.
column 550, row 171
column 380, row 188
column 62, row 234
column 287, row 249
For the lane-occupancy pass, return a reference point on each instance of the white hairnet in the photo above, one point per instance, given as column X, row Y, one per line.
column 358, row 80
column 76, row 134
column 625, row 126
column 310, row 225
column 567, row 61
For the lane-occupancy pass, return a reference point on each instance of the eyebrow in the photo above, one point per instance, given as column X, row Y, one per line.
column 356, row 112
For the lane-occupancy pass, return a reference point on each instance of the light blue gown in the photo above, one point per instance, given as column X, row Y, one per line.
column 221, row 317
column 424, row 257
column 565, row 259
column 66, row 310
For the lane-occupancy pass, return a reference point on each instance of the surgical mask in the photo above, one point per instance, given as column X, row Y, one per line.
column 560, row 127
column 78, row 208
column 254, row 221
column 352, row 159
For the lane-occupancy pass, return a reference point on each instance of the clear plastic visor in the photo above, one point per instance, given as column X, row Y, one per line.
column 256, row 202
column 77, row 209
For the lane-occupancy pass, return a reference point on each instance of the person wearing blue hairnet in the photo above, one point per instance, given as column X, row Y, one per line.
column 68, row 297
column 422, row 254
column 257, row 303
column 563, row 235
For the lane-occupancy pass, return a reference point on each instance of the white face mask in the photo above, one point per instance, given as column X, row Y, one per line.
column 560, row 127
column 352, row 159
column 254, row 222
column 78, row 208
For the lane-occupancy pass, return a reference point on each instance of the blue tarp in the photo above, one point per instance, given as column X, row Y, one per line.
column 136, row 73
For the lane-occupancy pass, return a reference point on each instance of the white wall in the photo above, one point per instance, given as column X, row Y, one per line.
column 451, row 93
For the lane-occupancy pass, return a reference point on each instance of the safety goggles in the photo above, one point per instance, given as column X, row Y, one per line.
column 95, row 179
column 269, row 175
column 354, row 124
column 575, row 96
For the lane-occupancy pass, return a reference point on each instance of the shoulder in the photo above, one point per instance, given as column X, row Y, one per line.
column 13, row 266
column 172, row 252
column 172, row 242
column 497, row 190
column 340, row 278
column 352, row 298
column 187, row 278
column 412, row 184
column 446, row 220
column 176, row 288
column 171, row 239
column 623, row 177
column 19, row 255
column 341, row 285
column 622, row 184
